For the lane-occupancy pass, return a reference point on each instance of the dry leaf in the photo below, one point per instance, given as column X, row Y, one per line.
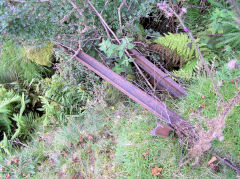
column 88, row 150
column 15, row 160
column 64, row 153
column 145, row 154
column 213, row 159
column 161, row 130
column 81, row 140
column 39, row 138
column 156, row 171
column 28, row 176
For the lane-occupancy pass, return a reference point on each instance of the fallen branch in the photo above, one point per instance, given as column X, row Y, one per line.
column 226, row 162
column 119, row 14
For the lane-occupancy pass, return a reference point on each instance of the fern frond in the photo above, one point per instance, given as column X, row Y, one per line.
column 19, row 119
column 177, row 51
column 179, row 43
column 5, row 111
column 187, row 72
column 5, row 145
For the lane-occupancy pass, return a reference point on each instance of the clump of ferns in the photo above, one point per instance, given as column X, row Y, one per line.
column 178, row 52
column 14, row 121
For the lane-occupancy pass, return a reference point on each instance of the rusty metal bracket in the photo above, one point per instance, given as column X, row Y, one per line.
column 181, row 126
column 161, row 78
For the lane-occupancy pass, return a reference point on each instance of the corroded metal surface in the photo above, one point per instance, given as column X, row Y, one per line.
column 161, row 78
column 158, row 108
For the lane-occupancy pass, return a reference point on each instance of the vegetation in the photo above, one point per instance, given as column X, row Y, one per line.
column 60, row 120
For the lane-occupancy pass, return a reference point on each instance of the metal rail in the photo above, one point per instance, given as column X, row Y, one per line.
column 161, row 78
column 181, row 126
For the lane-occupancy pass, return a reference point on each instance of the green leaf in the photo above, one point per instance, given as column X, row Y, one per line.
column 118, row 69
column 121, row 52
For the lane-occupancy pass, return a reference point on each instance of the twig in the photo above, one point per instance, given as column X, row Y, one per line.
column 103, row 21
column 18, row 142
column 66, row 16
column 119, row 14
column 76, row 52
column 80, row 12
column 106, row 2
column 140, row 71
column 226, row 162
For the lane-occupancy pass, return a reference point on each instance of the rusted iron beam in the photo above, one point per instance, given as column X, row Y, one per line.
column 161, row 78
column 181, row 126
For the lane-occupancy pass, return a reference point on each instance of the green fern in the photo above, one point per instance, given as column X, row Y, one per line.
column 6, row 107
column 187, row 71
column 12, row 108
column 24, row 123
column 180, row 51
column 179, row 43
column 6, row 145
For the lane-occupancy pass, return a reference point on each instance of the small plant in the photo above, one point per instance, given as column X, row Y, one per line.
column 225, row 22
column 117, row 51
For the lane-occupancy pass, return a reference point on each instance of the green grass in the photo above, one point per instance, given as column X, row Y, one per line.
column 119, row 137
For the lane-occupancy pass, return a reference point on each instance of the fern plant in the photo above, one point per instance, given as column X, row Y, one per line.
column 6, row 108
column 177, row 51
column 13, row 121
column 25, row 123
column 6, row 145
column 180, row 43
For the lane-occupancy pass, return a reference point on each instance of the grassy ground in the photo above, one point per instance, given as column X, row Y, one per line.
column 107, row 142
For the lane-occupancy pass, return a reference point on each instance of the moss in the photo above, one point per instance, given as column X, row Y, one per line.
column 40, row 55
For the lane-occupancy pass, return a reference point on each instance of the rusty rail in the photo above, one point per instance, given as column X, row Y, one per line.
column 182, row 127
column 161, row 78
